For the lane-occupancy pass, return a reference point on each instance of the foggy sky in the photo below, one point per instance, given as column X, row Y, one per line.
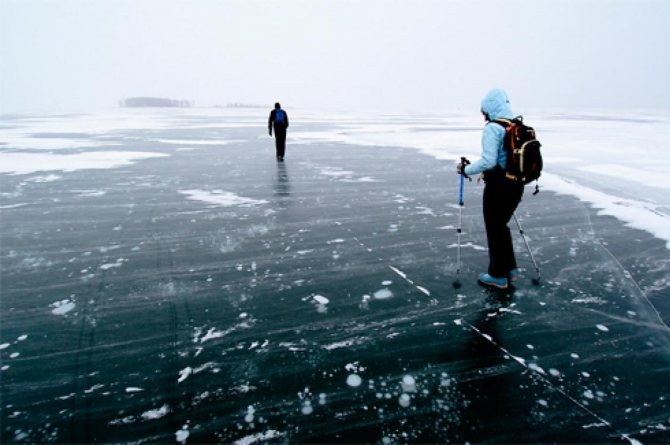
column 391, row 56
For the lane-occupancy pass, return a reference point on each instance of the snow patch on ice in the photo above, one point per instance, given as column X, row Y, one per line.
column 189, row 141
column 212, row 333
column 24, row 163
column 639, row 214
column 651, row 177
column 118, row 263
column 13, row 206
column 184, row 374
column 447, row 227
column 62, row 307
column 344, row 343
column 583, row 146
column 221, row 198
column 588, row 300
column 259, row 437
column 89, row 193
column 335, row 172
column 468, row 244
column 320, row 299
column 361, row 179
column 382, row 294
column 157, row 413
column 44, row 178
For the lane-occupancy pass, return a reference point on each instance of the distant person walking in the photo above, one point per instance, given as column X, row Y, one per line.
column 501, row 195
column 279, row 121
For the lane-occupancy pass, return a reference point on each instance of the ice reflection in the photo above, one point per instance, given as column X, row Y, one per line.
column 282, row 187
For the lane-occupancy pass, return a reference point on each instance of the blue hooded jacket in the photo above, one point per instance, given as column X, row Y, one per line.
column 496, row 105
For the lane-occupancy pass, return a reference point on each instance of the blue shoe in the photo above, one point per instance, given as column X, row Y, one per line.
column 488, row 280
column 513, row 274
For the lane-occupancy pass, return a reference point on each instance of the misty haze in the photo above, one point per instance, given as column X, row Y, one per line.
column 172, row 272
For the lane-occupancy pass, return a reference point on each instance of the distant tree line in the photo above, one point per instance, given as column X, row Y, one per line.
column 241, row 105
column 154, row 102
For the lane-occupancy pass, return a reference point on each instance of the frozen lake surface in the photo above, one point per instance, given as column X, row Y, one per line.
column 165, row 280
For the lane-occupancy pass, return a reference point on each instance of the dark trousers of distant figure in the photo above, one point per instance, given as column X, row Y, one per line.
column 501, row 198
column 280, row 140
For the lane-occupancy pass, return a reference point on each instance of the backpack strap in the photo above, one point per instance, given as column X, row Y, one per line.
column 507, row 122
column 503, row 121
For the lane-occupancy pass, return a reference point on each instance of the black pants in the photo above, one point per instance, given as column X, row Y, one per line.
column 501, row 198
column 280, row 141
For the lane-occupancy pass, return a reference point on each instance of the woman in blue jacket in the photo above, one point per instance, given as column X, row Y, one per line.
column 501, row 195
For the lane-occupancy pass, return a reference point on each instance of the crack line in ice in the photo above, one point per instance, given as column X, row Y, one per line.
column 626, row 273
column 402, row 274
column 539, row 372
column 625, row 320
column 399, row 272
column 635, row 284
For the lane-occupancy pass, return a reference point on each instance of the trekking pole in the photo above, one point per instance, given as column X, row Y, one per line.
column 457, row 282
column 532, row 257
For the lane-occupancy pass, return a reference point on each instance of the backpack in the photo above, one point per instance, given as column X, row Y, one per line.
column 280, row 117
column 524, row 160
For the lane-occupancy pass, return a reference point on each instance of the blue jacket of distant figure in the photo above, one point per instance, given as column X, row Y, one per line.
column 496, row 105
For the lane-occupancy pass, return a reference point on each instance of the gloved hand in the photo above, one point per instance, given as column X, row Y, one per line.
column 460, row 167
column 270, row 131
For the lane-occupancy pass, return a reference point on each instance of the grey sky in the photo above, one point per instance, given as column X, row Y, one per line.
column 394, row 56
